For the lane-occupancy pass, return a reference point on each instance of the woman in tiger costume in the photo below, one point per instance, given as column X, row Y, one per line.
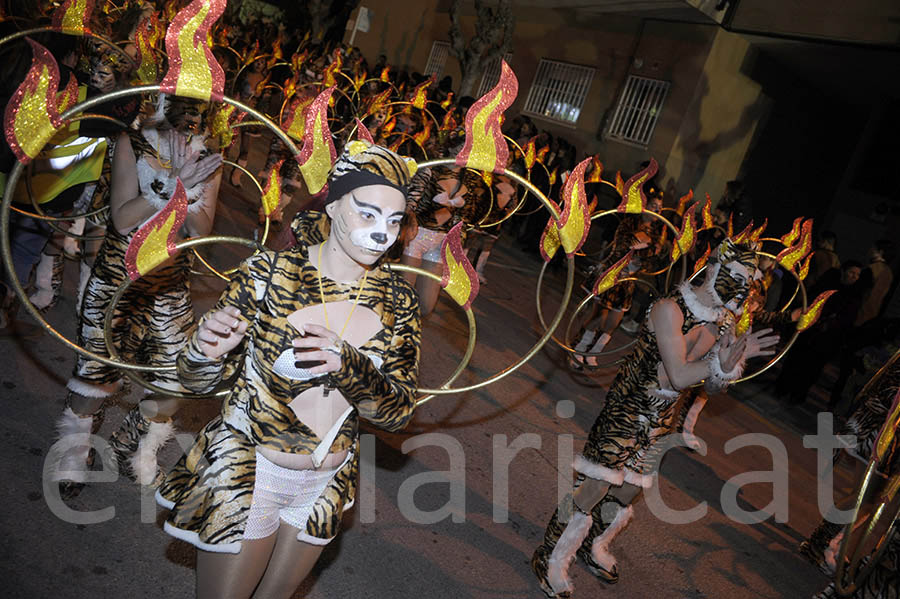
column 151, row 321
column 862, row 427
column 681, row 343
column 309, row 340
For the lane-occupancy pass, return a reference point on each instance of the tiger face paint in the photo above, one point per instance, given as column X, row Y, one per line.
column 366, row 221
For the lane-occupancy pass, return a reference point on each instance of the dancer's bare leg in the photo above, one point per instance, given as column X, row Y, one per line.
column 233, row 575
column 427, row 288
column 291, row 562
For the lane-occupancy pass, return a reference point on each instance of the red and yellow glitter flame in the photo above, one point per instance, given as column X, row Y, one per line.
column 459, row 278
column 575, row 221
column 809, row 318
column 485, row 148
column 633, row 199
column 73, row 17
column 318, row 153
column 193, row 70
column 271, row 195
column 608, row 279
column 154, row 243
column 686, row 237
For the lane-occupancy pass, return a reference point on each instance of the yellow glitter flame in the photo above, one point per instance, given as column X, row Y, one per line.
column 809, row 318
column 609, row 278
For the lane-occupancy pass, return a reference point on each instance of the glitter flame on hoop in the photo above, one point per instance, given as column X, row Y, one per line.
column 154, row 243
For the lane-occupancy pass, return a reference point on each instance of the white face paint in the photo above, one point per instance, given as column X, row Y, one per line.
column 366, row 221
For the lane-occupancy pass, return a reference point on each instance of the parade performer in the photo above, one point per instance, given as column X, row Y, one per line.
column 151, row 321
column 680, row 344
column 309, row 341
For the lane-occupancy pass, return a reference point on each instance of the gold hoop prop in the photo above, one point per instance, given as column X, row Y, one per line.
column 793, row 338
column 851, row 568
column 13, row 180
column 117, row 297
column 540, row 309
column 567, row 293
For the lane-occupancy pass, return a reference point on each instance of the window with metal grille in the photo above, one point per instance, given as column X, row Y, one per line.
column 491, row 75
column 437, row 59
column 637, row 112
column 559, row 91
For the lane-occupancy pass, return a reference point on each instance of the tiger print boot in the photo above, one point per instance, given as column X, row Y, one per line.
column 816, row 548
column 136, row 444
column 594, row 551
column 551, row 561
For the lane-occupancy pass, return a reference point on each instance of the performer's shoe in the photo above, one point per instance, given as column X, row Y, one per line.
column 594, row 551
column 819, row 547
column 551, row 561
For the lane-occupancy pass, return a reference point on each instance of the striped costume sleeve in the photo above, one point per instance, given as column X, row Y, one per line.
column 386, row 396
column 196, row 371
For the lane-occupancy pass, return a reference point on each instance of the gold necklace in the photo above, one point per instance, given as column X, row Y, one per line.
column 322, row 296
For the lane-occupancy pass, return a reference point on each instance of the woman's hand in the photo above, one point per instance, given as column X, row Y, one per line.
column 220, row 332
column 759, row 342
column 318, row 344
column 186, row 164
column 731, row 351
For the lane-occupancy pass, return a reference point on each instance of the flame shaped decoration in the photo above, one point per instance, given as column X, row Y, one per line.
column 701, row 261
column 575, row 221
column 745, row 321
column 359, row 80
column 318, row 154
column 633, row 198
column 385, row 74
column 803, row 271
column 541, row 154
column 297, row 60
column 73, row 17
column 295, row 121
column 422, row 136
column 222, row 123
column 459, row 278
column 261, row 86
column 744, row 236
column 363, row 133
column 271, row 195
column 789, row 257
column 794, row 234
column 449, row 123
column 329, row 77
column 388, row 127
column 154, row 243
column 809, row 318
column 596, row 170
column 290, row 86
column 193, row 70
column 887, row 433
column 420, row 94
column 553, row 175
column 757, row 233
column 609, row 278
column 250, row 53
column 686, row 237
column 530, row 154
column 729, row 231
column 68, row 97
column 147, row 70
column 448, row 101
column 550, row 241
column 485, row 149
column 683, row 202
column 706, row 215
column 378, row 102
column 620, row 184
column 32, row 115
column 488, row 178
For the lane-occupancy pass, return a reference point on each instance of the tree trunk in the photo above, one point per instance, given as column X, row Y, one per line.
column 470, row 78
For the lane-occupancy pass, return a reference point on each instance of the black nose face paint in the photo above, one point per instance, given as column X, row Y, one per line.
column 379, row 238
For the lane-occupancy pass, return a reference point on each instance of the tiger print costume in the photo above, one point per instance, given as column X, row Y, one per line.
column 149, row 326
column 210, row 490
column 863, row 425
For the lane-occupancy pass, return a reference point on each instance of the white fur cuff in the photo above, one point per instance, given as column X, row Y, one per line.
column 718, row 378
column 86, row 389
column 597, row 471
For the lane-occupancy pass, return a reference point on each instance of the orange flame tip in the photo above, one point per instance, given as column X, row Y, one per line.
column 804, row 268
column 329, row 77
column 683, row 202
column 363, row 133
column 154, row 243
column 596, row 170
column 633, row 199
column 809, row 318
column 744, row 236
column 789, row 257
column 318, row 153
column 271, row 195
column 530, row 154
column 147, row 67
column 459, row 278
column 541, row 154
column 686, row 237
column 757, row 233
column 608, row 279
column 447, row 101
column 420, row 94
column 575, row 221
column 701, row 261
column 485, row 148
column 620, row 184
column 32, row 114
column 746, row 320
column 385, row 74
column 73, row 17
column 193, row 70
column 730, row 230
column 793, row 235
column 706, row 214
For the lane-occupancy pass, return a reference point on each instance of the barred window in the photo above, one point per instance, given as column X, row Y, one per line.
column 637, row 111
column 559, row 91
column 491, row 75
column 437, row 59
